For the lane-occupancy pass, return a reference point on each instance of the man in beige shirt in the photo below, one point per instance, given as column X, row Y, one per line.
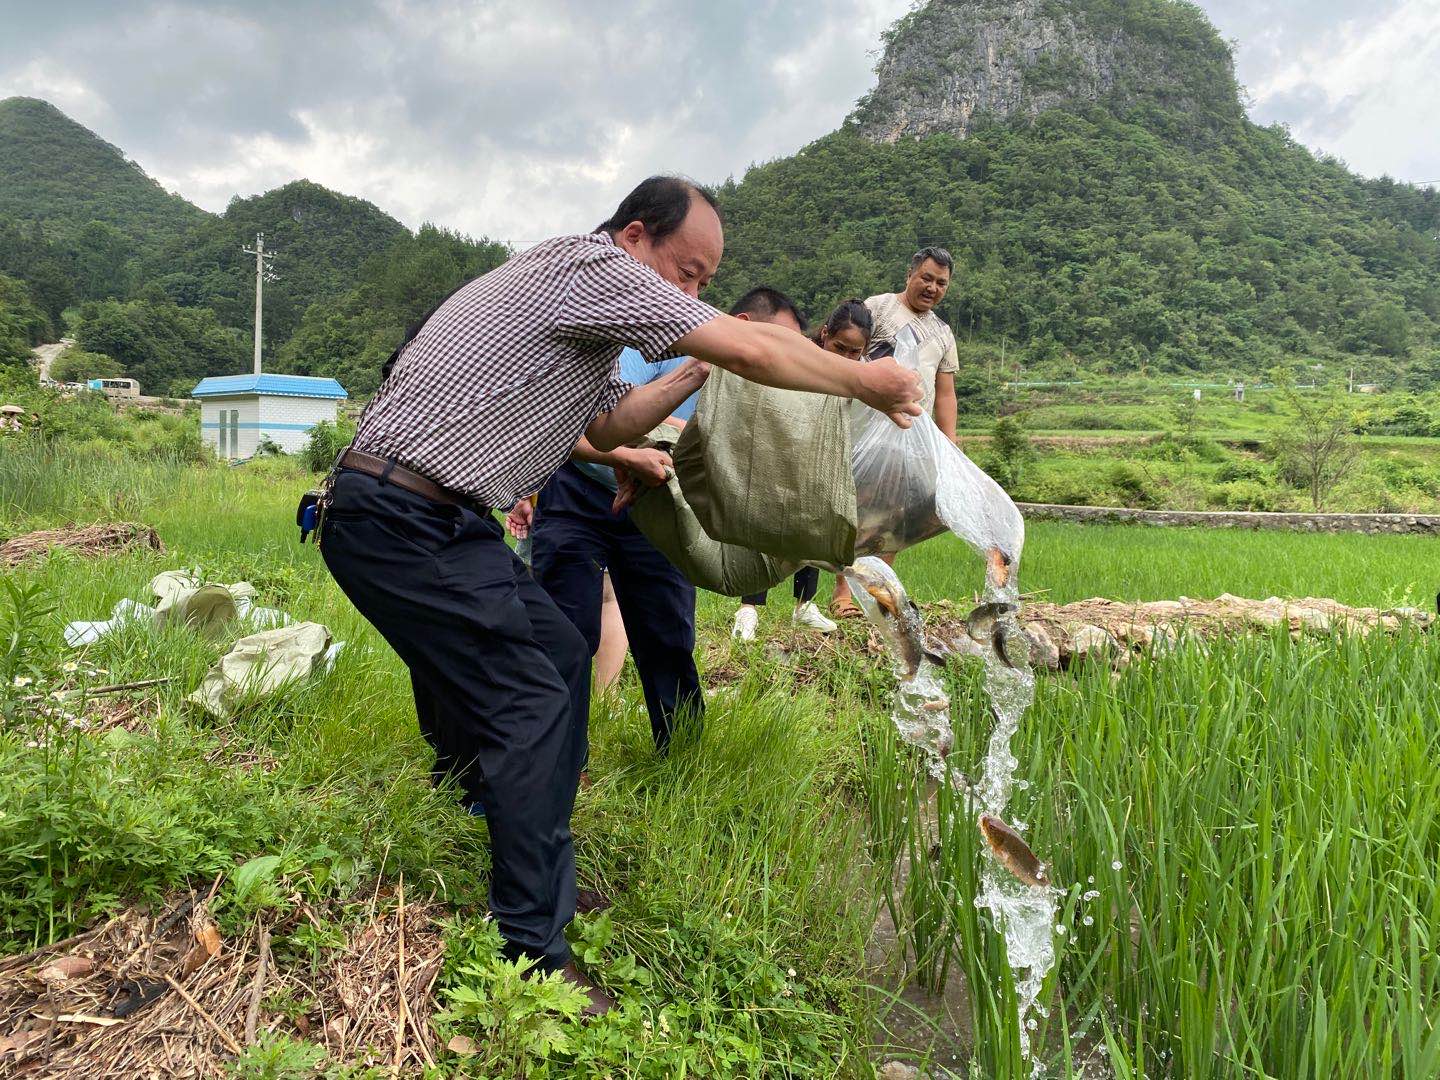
column 925, row 287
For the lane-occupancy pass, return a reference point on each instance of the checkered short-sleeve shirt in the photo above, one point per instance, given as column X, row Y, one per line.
column 492, row 393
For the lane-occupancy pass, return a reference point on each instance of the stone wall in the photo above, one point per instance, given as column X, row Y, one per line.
column 1427, row 524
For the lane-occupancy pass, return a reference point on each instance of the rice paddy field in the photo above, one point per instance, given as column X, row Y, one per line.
column 1246, row 830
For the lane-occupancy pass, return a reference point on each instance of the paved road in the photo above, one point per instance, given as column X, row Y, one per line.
column 45, row 355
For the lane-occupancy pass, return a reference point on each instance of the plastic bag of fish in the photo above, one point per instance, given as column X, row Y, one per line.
column 914, row 483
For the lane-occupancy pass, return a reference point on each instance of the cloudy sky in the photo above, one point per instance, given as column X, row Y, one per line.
column 519, row 119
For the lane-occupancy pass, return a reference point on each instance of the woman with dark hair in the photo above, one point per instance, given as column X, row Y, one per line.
column 846, row 333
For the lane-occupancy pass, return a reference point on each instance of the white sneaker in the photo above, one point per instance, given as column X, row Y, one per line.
column 747, row 619
column 811, row 617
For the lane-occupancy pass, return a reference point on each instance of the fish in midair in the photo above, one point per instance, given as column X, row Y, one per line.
column 901, row 621
column 1013, row 853
column 993, row 624
column 997, row 567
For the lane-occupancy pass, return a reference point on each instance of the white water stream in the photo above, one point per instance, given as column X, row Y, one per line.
column 1024, row 914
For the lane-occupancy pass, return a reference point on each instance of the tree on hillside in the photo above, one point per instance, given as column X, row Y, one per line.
column 22, row 323
column 158, row 343
column 102, row 261
column 16, row 298
column 1317, row 447
column 76, row 365
column 349, row 338
column 1424, row 372
column 1385, row 327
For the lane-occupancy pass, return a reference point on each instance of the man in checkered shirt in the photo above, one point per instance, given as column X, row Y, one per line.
column 482, row 405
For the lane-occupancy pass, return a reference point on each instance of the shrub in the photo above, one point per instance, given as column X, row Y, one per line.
column 1408, row 418
column 1069, row 489
column 76, row 365
column 1244, row 468
column 1246, row 495
column 1131, row 483
column 325, row 443
column 1010, row 452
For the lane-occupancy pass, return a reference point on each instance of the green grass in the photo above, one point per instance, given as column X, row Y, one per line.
column 1274, row 808
column 1065, row 562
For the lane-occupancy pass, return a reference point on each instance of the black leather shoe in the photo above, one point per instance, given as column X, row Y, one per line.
column 600, row 1002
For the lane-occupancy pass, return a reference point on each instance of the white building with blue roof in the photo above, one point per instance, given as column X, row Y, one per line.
column 238, row 411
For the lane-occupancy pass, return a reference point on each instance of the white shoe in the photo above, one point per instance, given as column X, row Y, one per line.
column 747, row 619
column 811, row 617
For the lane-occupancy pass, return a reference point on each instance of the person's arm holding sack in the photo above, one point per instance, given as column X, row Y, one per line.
column 636, row 310
column 643, row 407
column 773, row 356
column 650, row 466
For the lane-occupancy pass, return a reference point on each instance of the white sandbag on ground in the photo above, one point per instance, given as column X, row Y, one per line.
column 263, row 663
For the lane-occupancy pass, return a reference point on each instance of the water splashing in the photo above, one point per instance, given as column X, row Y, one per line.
column 1024, row 914
column 921, row 709
column 929, row 470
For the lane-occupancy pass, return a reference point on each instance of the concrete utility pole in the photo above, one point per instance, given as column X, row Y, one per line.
column 262, row 274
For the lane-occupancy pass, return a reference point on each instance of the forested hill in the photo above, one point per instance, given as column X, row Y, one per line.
column 1138, row 222
column 1088, row 162
column 62, row 175
column 163, row 289
column 320, row 239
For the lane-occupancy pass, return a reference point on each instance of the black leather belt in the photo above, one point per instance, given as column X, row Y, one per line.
column 386, row 469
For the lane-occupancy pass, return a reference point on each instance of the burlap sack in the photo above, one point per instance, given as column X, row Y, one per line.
column 769, row 470
column 667, row 521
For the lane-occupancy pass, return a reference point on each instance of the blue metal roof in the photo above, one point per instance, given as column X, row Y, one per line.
column 279, row 385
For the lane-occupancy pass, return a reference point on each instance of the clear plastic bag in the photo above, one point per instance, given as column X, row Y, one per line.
column 914, row 483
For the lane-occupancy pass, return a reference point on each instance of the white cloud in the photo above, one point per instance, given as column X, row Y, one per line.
column 512, row 118
column 522, row 118
column 1351, row 78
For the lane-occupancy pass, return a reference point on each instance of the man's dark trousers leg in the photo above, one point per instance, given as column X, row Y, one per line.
column 568, row 562
column 576, row 537
column 657, row 603
column 495, row 666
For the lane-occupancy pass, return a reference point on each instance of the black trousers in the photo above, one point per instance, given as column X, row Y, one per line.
column 576, row 539
column 807, row 584
column 501, row 681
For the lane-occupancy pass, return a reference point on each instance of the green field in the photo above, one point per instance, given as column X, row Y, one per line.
column 1144, row 443
column 1273, row 808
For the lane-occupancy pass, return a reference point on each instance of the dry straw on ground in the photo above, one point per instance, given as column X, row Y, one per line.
column 163, row 995
column 89, row 540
